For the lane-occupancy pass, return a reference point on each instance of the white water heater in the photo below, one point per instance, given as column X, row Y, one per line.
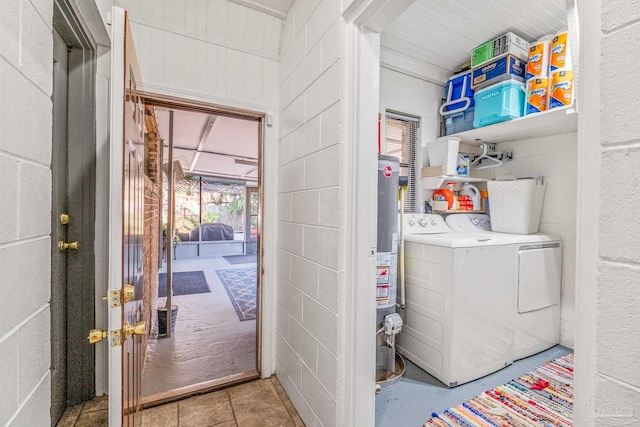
column 388, row 323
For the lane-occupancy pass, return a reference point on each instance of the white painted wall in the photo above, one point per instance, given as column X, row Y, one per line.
column 609, row 263
column 26, row 67
column 211, row 50
column 310, row 252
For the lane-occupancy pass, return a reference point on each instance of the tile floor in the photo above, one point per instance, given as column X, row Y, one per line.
column 257, row 403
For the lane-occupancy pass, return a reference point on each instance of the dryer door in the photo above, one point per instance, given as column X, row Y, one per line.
column 539, row 275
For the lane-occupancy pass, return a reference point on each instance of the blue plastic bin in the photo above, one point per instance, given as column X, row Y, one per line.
column 459, row 122
column 458, row 93
column 498, row 103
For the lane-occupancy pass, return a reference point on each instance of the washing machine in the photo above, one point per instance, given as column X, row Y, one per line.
column 537, row 260
column 459, row 296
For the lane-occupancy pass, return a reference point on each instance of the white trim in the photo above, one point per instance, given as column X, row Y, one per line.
column 184, row 32
column 356, row 307
column 251, row 4
column 587, row 258
column 375, row 15
column 101, row 245
column 269, row 246
column 115, row 209
column 91, row 21
column 356, row 299
column 187, row 95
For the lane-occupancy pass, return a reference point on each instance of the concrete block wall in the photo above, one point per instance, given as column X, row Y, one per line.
column 309, row 254
column 26, row 67
column 618, row 284
column 555, row 158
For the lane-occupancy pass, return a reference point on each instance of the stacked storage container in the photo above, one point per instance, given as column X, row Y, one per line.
column 459, row 105
column 498, row 75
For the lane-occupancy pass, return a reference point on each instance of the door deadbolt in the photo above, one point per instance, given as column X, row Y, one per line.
column 97, row 335
column 64, row 219
column 68, row 245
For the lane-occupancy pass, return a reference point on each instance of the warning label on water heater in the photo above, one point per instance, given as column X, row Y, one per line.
column 386, row 279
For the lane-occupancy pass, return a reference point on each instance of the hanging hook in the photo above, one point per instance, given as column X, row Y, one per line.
column 477, row 160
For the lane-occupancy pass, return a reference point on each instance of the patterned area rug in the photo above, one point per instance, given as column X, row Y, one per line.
column 543, row 397
column 241, row 285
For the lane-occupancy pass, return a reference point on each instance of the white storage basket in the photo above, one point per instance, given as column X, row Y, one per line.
column 444, row 151
column 516, row 205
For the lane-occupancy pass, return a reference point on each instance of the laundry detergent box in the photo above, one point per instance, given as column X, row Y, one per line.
column 458, row 94
column 507, row 43
column 502, row 68
column 499, row 102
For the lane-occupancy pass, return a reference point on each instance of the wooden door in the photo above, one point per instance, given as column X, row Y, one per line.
column 126, row 200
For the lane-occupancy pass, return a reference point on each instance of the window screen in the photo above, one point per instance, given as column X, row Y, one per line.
column 401, row 137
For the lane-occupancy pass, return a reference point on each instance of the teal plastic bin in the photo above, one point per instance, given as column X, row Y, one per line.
column 498, row 103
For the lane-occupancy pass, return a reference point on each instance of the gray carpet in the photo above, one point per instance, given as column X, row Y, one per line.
column 184, row 283
column 240, row 259
column 241, row 285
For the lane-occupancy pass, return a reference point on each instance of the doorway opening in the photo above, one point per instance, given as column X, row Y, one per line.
column 206, row 327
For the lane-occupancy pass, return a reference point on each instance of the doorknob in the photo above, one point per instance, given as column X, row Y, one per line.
column 68, row 245
column 97, row 335
column 64, row 219
column 140, row 328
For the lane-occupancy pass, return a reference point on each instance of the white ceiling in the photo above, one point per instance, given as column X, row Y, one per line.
column 443, row 32
column 212, row 150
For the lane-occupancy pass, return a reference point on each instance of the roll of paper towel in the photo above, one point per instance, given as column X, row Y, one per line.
column 560, row 57
column 538, row 60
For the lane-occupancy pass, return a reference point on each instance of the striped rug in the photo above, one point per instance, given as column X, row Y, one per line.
column 540, row 398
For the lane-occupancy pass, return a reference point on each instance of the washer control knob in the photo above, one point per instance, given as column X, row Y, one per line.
column 423, row 222
column 412, row 222
column 475, row 221
column 433, row 222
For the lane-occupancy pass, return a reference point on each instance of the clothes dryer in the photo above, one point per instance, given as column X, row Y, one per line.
column 537, row 260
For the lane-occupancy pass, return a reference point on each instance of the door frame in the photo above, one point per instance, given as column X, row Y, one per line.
column 267, row 181
column 364, row 20
column 73, row 25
